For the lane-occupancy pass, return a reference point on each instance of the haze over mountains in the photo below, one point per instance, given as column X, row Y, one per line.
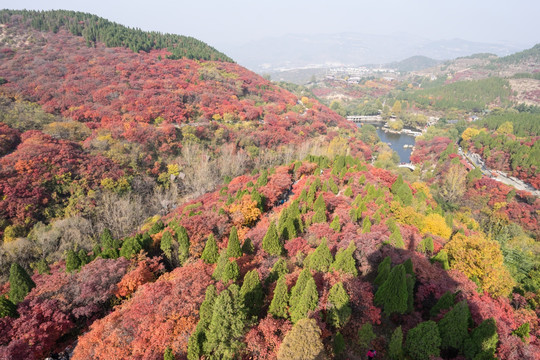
column 326, row 50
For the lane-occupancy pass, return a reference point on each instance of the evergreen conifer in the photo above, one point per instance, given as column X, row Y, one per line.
column 366, row 335
column 423, row 341
column 73, row 263
column 393, row 294
column 20, row 283
column 302, row 342
column 332, row 185
column 231, row 272
column 83, row 257
column 442, row 258
column 338, row 307
column 320, row 211
column 339, row 344
column 210, row 254
column 345, row 260
column 335, row 225
column 168, row 354
column 252, row 293
column 482, row 343
column 183, row 244
column 383, row 270
column 222, row 262
column 233, row 246
column 366, row 225
column 247, row 247
column 271, row 243
column 321, row 259
column 278, row 306
column 308, row 301
column 226, row 328
column 298, row 288
column 279, row 268
column 395, row 347
column 7, row 308
column 453, row 327
column 446, row 301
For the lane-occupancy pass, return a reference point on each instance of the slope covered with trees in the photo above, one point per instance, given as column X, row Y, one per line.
column 157, row 208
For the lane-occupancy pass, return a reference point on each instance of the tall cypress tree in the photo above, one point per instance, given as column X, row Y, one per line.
column 453, row 327
column 278, row 306
column 233, row 247
column 252, row 293
column 298, row 288
column 483, row 341
column 393, row 294
column 231, row 272
column 308, row 301
column 226, row 328
column 7, row 308
column 338, row 308
column 210, row 254
column 321, row 259
column 279, row 268
column 20, row 283
column 166, row 245
column 320, row 211
column 423, row 341
column 366, row 225
column 345, row 262
column 73, row 262
column 271, row 243
column 168, row 354
column 383, row 270
column 335, row 225
column 247, row 247
column 395, row 347
column 183, row 244
column 222, row 262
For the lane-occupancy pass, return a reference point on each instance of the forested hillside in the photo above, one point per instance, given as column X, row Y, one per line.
column 163, row 206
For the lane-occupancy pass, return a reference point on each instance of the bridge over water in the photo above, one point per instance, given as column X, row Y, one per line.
column 409, row 166
column 365, row 118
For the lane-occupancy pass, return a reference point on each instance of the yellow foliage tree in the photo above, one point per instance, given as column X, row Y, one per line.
column 245, row 212
column 481, row 260
column 469, row 133
column 406, row 215
column 506, row 128
column 436, row 225
column 396, row 108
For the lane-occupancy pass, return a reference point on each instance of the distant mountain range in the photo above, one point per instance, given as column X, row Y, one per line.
column 327, row 50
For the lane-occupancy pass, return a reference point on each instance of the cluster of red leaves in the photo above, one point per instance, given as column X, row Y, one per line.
column 429, row 150
column 59, row 304
column 9, row 139
column 145, row 270
column 40, row 171
column 160, row 314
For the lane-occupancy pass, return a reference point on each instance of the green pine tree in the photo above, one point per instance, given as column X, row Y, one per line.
column 308, row 301
column 83, row 257
column 442, row 258
column 321, row 259
column 73, row 263
column 222, row 263
column 423, row 341
column 453, row 327
column 397, row 184
column 252, row 293
column 426, row 245
column 393, row 294
column 226, row 329
column 395, row 347
column 446, row 301
column 210, row 254
column 20, row 283
column 339, row 344
column 522, row 332
column 233, row 246
column 183, row 244
column 396, row 239
column 298, row 288
column 166, row 245
column 366, row 225
column 247, row 247
column 320, row 211
column 383, row 270
column 207, row 307
column 262, row 180
column 338, row 308
column 482, row 343
column 348, row 192
column 271, row 243
column 366, row 336
column 196, row 344
column 278, row 306
column 279, row 269
column 130, row 247
column 231, row 272
column 7, row 308
column 332, row 185
column 168, row 354
column 335, row 225
column 345, row 262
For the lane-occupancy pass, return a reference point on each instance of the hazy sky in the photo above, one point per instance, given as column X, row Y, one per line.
column 224, row 22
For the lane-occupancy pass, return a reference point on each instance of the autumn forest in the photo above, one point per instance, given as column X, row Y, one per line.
column 160, row 201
